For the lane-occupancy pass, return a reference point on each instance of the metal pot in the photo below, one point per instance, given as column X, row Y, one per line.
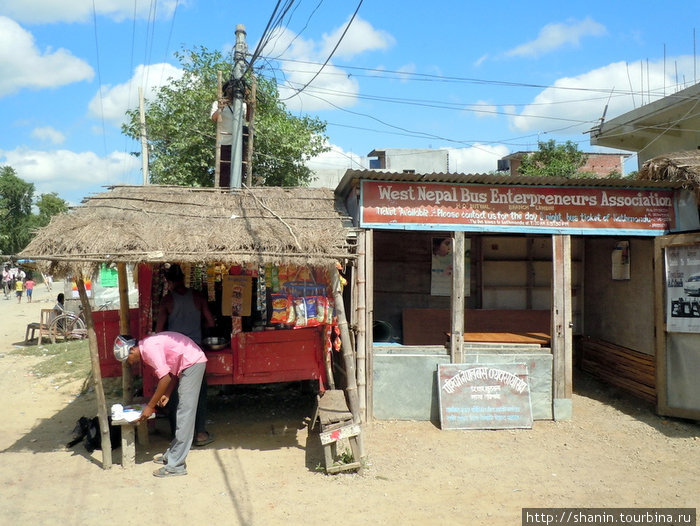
column 215, row 343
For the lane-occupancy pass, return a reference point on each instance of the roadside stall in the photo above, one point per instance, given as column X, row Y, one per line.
column 543, row 272
column 267, row 260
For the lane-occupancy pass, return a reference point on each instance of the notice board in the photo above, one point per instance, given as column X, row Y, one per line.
column 494, row 396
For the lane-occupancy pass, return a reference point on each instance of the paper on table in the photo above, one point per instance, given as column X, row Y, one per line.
column 128, row 414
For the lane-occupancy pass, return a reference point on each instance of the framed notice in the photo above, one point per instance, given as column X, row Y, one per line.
column 484, row 396
column 683, row 288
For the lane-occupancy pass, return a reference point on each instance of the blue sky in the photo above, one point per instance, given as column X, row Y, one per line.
column 482, row 79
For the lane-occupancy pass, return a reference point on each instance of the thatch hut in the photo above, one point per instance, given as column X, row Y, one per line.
column 153, row 225
column 135, row 224
column 683, row 167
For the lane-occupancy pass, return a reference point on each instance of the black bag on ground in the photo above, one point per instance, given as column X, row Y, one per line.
column 88, row 429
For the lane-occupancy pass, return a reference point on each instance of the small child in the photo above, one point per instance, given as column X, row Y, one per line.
column 19, row 289
column 29, row 286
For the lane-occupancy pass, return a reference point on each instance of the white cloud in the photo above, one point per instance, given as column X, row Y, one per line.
column 48, row 133
column 333, row 86
column 555, row 36
column 337, row 158
column 577, row 103
column 50, row 11
column 477, row 159
column 117, row 99
column 483, row 109
column 63, row 171
column 361, row 37
column 22, row 65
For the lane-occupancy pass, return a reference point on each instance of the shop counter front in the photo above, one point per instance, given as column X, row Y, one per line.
column 268, row 357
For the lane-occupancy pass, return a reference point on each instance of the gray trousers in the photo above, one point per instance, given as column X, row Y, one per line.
column 188, row 387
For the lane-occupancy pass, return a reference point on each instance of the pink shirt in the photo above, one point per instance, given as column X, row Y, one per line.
column 170, row 352
column 29, row 284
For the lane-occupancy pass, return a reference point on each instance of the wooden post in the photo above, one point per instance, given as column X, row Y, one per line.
column 127, row 379
column 361, row 315
column 457, row 329
column 562, row 324
column 660, row 327
column 348, row 354
column 251, row 121
column 217, row 155
column 369, row 319
column 96, row 375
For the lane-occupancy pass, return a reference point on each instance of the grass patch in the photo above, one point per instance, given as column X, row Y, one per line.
column 64, row 362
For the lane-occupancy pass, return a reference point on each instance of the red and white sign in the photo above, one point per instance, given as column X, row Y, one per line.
column 476, row 207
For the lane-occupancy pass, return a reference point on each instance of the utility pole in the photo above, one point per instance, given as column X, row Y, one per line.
column 144, row 140
column 239, row 66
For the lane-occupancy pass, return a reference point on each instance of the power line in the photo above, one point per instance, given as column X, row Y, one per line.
column 99, row 77
column 330, row 55
column 426, row 77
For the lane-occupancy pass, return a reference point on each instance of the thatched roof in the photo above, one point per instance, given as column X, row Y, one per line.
column 683, row 167
column 134, row 224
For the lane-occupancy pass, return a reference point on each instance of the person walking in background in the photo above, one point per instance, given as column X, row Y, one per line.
column 29, row 287
column 6, row 280
column 19, row 289
column 177, row 362
column 183, row 310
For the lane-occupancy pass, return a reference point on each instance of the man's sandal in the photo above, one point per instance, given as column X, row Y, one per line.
column 162, row 472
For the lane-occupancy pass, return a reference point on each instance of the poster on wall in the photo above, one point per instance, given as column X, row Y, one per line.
column 621, row 261
column 442, row 266
column 683, row 288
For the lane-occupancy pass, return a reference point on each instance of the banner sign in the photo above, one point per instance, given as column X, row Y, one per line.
column 484, row 397
column 399, row 205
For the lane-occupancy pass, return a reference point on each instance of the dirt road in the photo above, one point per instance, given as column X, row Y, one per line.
column 262, row 468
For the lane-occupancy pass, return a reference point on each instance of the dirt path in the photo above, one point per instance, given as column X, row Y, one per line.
column 261, row 470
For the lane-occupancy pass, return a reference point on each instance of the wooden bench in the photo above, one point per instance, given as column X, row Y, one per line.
column 432, row 326
column 336, row 424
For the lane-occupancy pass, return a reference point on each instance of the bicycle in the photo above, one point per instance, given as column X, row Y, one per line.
column 71, row 326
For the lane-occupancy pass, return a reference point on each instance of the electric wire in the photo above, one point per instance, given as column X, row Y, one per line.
column 342, row 36
column 99, row 77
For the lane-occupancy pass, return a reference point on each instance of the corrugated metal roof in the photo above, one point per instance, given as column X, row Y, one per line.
column 352, row 178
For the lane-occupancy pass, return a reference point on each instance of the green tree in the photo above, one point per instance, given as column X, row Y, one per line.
column 182, row 137
column 49, row 205
column 555, row 160
column 15, row 211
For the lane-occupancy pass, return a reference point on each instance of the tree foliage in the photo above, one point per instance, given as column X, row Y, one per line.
column 182, row 137
column 17, row 221
column 555, row 160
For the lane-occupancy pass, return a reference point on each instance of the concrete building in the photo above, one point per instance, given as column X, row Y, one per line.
column 601, row 164
column 670, row 124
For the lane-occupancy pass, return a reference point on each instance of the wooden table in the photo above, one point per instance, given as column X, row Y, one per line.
column 539, row 338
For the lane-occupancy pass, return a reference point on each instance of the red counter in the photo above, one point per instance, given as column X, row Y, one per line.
column 263, row 357
column 269, row 356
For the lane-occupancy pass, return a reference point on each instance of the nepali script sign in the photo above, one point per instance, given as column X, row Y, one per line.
column 484, row 397
column 469, row 207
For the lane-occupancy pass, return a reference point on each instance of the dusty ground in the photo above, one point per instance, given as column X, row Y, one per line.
column 262, row 469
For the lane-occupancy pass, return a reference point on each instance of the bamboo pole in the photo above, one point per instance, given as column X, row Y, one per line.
column 217, row 155
column 251, row 127
column 348, row 354
column 127, row 378
column 360, row 323
column 96, row 375
column 369, row 319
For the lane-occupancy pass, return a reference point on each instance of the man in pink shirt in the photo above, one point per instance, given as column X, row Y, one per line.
column 176, row 361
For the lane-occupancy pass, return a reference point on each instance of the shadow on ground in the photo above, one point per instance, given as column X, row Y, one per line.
column 260, row 417
column 588, row 386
